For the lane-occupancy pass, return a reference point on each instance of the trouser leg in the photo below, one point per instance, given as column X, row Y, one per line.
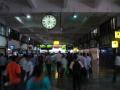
column 115, row 74
column 74, row 83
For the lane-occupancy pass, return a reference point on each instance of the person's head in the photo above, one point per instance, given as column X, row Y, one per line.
column 59, row 52
column 14, row 58
column 81, row 54
column 88, row 54
column 75, row 56
column 84, row 54
column 38, row 70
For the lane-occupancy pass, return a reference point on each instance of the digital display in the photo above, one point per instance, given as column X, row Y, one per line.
column 43, row 46
column 49, row 46
column 63, row 47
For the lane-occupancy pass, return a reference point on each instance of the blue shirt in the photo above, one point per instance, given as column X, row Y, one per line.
column 43, row 84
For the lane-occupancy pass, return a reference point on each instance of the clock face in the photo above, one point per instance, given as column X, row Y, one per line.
column 49, row 21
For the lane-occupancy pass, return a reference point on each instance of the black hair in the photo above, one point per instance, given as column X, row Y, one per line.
column 83, row 54
column 13, row 58
column 38, row 70
column 75, row 56
column 88, row 54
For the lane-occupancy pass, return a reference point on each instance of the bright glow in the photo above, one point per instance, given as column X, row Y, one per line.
column 56, row 43
column 117, row 34
column 29, row 39
column 28, row 16
column 75, row 16
column 75, row 50
column 56, row 75
column 19, row 19
column 9, row 30
column 115, row 44
column 9, row 49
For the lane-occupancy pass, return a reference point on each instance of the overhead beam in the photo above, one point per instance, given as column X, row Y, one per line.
column 104, row 6
column 32, row 3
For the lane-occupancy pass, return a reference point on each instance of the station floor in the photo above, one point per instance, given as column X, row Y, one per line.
column 94, row 84
column 104, row 83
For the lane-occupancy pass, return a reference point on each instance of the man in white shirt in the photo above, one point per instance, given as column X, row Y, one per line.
column 116, row 68
column 89, row 66
column 58, row 57
column 28, row 67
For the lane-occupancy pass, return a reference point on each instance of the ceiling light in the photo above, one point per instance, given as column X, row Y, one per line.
column 75, row 16
column 28, row 16
column 19, row 19
column 29, row 39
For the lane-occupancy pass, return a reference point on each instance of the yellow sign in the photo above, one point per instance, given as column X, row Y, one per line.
column 56, row 42
column 117, row 34
column 75, row 50
column 115, row 44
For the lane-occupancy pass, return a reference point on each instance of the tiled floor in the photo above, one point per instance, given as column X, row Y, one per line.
column 96, row 84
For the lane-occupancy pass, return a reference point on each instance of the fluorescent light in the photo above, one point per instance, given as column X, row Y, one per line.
column 28, row 16
column 19, row 19
column 29, row 39
column 75, row 16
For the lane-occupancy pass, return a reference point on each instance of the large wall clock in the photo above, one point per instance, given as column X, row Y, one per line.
column 49, row 21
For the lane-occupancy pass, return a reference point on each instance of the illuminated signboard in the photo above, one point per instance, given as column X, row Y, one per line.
column 43, row 46
column 115, row 44
column 56, row 43
column 49, row 46
column 117, row 34
column 63, row 47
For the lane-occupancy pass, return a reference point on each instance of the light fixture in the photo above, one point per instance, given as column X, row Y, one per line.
column 28, row 16
column 29, row 39
column 115, row 44
column 75, row 16
column 56, row 43
column 19, row 19
column 117, row 34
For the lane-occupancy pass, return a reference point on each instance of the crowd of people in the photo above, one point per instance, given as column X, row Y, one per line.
column 35, row 72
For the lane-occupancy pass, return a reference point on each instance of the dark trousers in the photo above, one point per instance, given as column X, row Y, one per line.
column 76, row 82
column 48, row 70
column 2, row 68
column 115, row 73
column 58, row 68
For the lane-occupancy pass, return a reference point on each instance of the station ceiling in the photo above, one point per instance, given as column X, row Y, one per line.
column 91, row 13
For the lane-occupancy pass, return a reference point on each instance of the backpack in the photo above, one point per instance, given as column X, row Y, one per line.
column 77, row 68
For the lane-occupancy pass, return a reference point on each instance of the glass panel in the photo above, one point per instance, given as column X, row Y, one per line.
column 2, row 30
column 7, row 31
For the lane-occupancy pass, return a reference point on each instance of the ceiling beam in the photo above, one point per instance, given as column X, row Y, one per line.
column 32, row 3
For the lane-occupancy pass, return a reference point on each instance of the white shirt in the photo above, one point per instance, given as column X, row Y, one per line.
column 83, row 60
column 58, row 57
column 88, row 61
column 117, row 61
column 28, row 67
column 22, row 62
